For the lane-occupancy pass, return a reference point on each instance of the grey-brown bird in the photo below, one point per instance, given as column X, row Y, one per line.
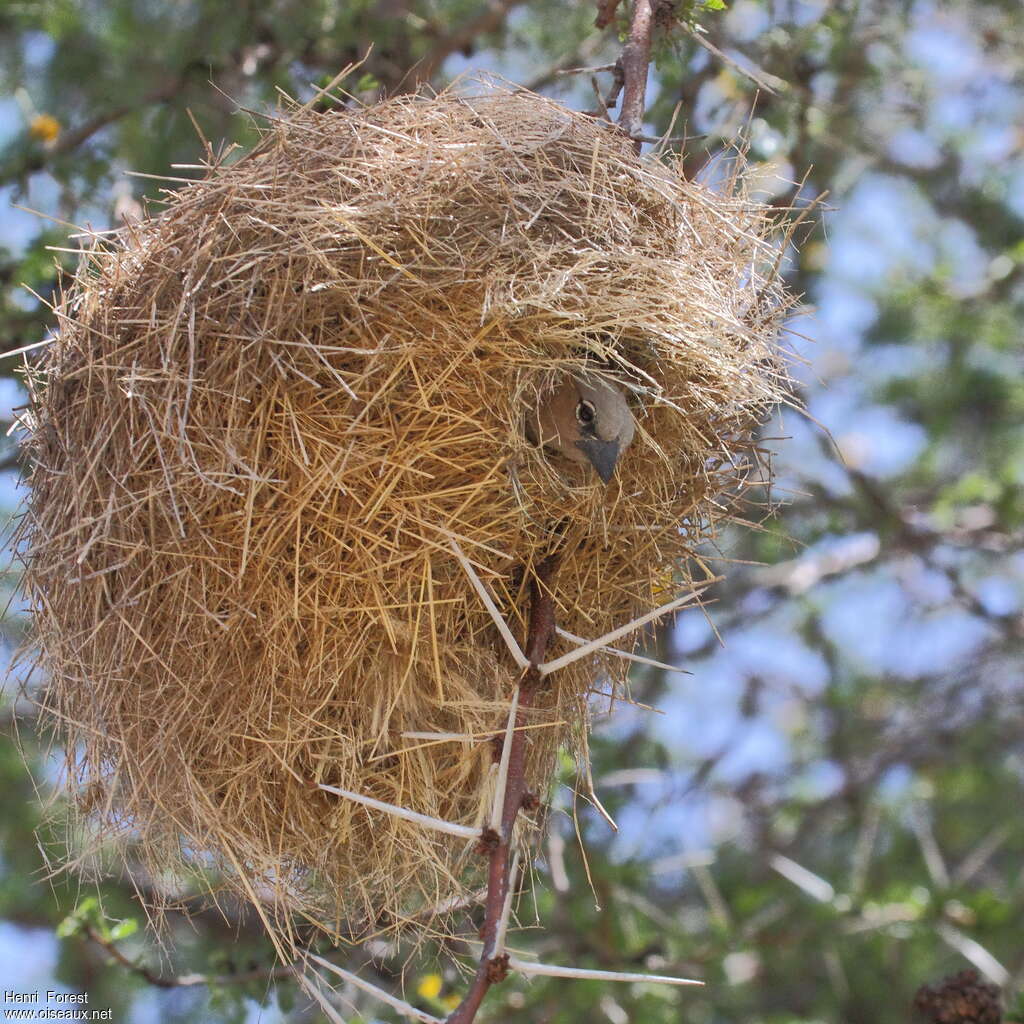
column 585, row 419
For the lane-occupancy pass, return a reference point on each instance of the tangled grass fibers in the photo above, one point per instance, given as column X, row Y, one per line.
column 269, row 410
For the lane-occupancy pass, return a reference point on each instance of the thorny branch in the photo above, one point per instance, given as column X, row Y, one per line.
column 492, row 969
column 632, row 67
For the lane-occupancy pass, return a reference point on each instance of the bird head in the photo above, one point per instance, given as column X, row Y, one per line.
column 586, row 420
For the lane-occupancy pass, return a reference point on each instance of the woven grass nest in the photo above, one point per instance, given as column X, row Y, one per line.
column 269, row 411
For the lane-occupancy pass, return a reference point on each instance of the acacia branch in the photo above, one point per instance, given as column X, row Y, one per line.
column 635, row 60
column 494, row 968
column 151, row 977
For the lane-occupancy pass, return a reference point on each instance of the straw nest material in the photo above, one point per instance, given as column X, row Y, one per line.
column 271, row 408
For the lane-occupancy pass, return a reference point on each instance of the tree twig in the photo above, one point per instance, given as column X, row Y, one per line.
column 494, row 968
column 186, row 980
column 606, row 13
column 770, row 83
column 636, row 58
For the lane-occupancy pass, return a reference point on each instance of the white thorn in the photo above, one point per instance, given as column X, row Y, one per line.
column 404, row 1008
column 438, row 824
column 596, row 802
column 602, row 641
column 313, row 990
column 812, row 884
column 498, row 804
column 506, row 634
column 555, row 971
column 974, row 951
column 629, row 656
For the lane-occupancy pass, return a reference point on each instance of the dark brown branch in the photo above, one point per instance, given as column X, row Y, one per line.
column 606, row 12
column 617, row 83
column 541, row 629
column 186, row 980
column 636, row 58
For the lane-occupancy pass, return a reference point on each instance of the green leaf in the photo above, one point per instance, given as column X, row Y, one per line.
column 129, row 926
column 71, row 925
column 87, row 912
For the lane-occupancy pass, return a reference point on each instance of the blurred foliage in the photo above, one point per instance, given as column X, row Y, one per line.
column 826, row 818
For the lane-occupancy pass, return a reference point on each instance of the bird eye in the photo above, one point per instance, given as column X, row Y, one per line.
column 585, row 412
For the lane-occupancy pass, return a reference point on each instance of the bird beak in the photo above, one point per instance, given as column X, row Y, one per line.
column 603, row 456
